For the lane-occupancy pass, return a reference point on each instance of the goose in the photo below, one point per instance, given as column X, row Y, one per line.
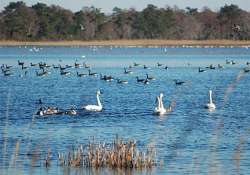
column 146, row 81
column 179, row 82
column 77, row 65
column 7, row 73
column 92, row 73
column 33, row 64
column 20, row 63
column 137, row 64
column 62, row 68
column 127, row 71
column 160, row 110
column 68, row 66
column 145, row 67
column 64, row 73
column 220, row 66
column 210, row 105
column 106, row 78
column 81, row 74
column 95, row 108
column 139, row 80
column 201, row 70
column 86, row 66
column 166, row 67
column 246, row 70
column 248, row 63
column 8, row 67
column 159, row 64
column 41, row 74
column 122, row 81
column 56, row 67
column 150, row 78
column 211, row 66
column 24, row 67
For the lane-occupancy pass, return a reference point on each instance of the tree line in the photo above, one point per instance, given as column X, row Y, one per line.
column 42, row 22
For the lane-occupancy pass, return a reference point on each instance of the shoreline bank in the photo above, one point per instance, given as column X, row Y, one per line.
column 129, row 43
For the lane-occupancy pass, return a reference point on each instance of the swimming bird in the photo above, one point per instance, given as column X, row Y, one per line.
column 210, row 105
column 77, row 65
column 149, row 78
column 166, row 67
column 33, row 64
column 81, row 74
column 137, row 64
column 139, row 80
column 160, row 110
column 41, row 74
column 95, row 108
column 86, row 66
column 127, row 71
column 246, row 70
column 64, row 73
column 146, row 67
column 201, row 70
column 20, row 63
column 122, row 81
column 159, row 64
column 179, row 82
column 220, row 66
column 92, row 73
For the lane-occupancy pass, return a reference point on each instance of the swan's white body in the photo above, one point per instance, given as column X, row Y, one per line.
column 210, row 105
column 97, row 107
column 160, row 110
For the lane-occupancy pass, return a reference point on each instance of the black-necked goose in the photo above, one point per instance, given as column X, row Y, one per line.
column 201, row 70
column 92, row 73
column 150, row 77
column 64, row 73
column 159, row 64
column 127, row 71
column 122, row 81
column 179, row 82
column 81, row 74
column 139, row 80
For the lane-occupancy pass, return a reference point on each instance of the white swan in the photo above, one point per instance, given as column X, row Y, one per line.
column 210, row 105
column 97, row 107
column 160, row 110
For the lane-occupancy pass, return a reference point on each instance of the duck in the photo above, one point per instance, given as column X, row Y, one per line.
column 210, row 105
column 95, row 108
column 160, row 109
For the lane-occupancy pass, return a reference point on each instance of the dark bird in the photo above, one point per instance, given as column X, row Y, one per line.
column 179, row 82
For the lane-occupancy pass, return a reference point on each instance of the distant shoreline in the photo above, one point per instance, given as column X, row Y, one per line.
column 155, row 42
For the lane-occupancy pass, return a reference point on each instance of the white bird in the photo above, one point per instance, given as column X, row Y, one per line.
column 97, row 107
column 210, row 105
column 160, row 110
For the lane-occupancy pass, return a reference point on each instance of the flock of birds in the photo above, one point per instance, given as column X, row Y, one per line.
column 43, row 70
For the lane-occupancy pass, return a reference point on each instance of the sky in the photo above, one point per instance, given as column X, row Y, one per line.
column 107, row 5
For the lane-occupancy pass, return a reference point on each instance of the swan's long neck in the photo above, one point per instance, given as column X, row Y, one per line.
column 161, row 102
column 210, row 97
column 98, row 100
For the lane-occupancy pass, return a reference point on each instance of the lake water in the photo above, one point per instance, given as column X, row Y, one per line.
column 189, row 140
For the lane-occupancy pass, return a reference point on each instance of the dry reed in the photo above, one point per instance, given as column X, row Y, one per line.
column 118, row 154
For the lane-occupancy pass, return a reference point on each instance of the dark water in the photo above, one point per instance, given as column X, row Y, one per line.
column 190, row 140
